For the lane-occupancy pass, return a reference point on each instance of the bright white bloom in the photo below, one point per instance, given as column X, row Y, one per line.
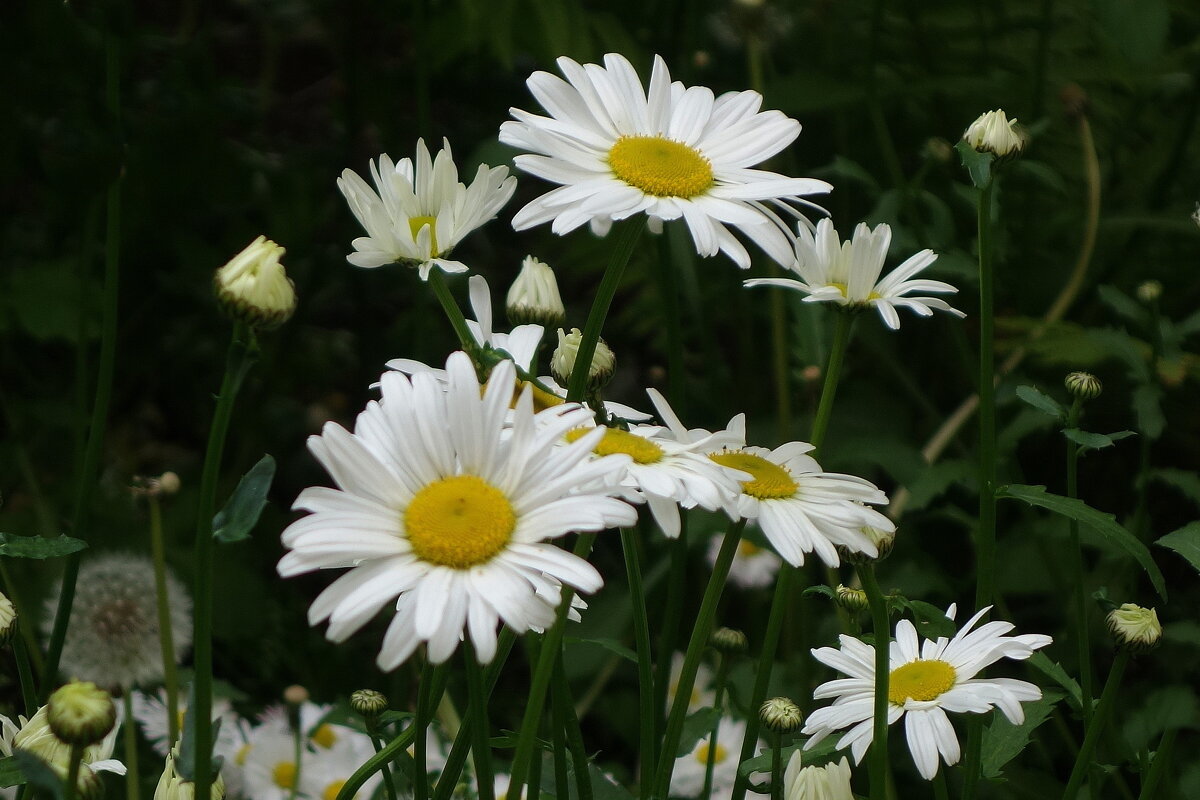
column 438, row 512
column 847, row 273
column 995, row 133
column 270, row 768
column 674, row 152
column 926, row 680
column 703, row 694
column 113, row 636
column 421, row 211
column 830, row 782
column 688, row 778
column 753, row 567
column 533, row 296
column 34, row 736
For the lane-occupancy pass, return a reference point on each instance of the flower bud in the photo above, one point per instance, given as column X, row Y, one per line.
column 172, row 786
column 1196, row 215
column 533, row 297
column 368, row 702
column 850, row 599
column 1135, row 628
column 830, row 782
column 781, row 715
column 295, row 695
column 254, row 287
column 1149, row 291
column 728, row 641
column 8, row 619
column 994, row 133
column 80, row 713
column 1083, row 385
column 562, row 363
column 883, row 541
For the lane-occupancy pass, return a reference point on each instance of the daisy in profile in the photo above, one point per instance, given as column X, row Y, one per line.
column 418, row 213
column 926, row 680
column 672, row 152
column 445, row 510
column 847, row 273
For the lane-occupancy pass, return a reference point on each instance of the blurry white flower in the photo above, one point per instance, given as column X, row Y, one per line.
column 753, row 567
column 533, row 296
column 150, row 712
column 702, row 695
column 172, row 786
column 994, row 133
column 688, row 778
column 830, row 782
column 270, row 768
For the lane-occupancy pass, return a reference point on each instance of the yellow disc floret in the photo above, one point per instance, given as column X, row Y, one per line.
column 771, row 481
column 416, row 223
column 643, row 451
column 459, row 522
column 660, row 167
column 324, row 736
column 920, row 680
column 719, row 754
column 284, row 774
column 332, row 790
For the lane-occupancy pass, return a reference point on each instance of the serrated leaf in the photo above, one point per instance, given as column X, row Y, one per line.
column 819, row 589
column 696, row 726
column 1041, row 401
column 1186, row 542
column 39, row 547
column 1003, row 741
column 1104, row 524
column 1055, row 672
column 979, row 165
column 936, row 479
column 11, row 773
column 611, row 645
column 237, row 519
column 1184, row 480
column 1095, row 441
column 39, row 774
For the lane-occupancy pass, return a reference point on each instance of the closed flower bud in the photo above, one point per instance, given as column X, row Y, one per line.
column 1135, row 628
column 830, row 782
column 850, row 599
column 81, row 713
column 562, row 363
column 1083, row 385
column 728, row 641
column 8, row 619
column 172, row 786
column 368, row 702
column 781, row 715
column 1149, row 291
column 1196, row 215
column 254, row 287
column 533, row 298
column 883, row 541
column 994, row 133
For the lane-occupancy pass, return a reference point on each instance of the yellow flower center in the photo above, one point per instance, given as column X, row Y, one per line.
column 660, row 167
column 324, row 736
column 541, row 399
column 616, row 440
column 416, row 223
column 770, row 482
column 459, row 522
column 747, row 549
column 242, row 754
column 331, row 791
column 284, row 774
column 920, row 680
column 718, row 755
column 845, row 290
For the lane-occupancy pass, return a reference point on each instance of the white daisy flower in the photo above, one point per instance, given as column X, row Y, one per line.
column 421, row 211
column 150, row 712
column 327, row 771
column 847, row 273
column 270, row 768
column 438, row 512
column 753, row 567
column 703, row 695
column 687, row 780
column 830, row 782
column 675, row 152
column 926, row 680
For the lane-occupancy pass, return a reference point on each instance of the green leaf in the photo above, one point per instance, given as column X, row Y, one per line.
column 1104, row 524
column 1004, row 741
column 39, row 774
column 1055, row 672
column 1042, row 402
column 389, row 717
column 234, row 522
column 819, row 589
column 696, row 726
column 611, row 645
column 931, row 621
column 822, row 753
column 1124, row 305
column 185, row 765
column 1184, row 480
column 979, row 165
column 39, row 547
column 10, row 772
column 1148, row 408
column 1163, row 709
column 1186, row 542
column 1095, row 441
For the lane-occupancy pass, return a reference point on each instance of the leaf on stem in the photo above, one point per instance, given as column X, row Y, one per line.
column 696, row 726
column 1004, row 741
column 237, row 519
column 1095, row 441
column 1185, row 541
column 979, row 165
column 11, row 773
column 39, row 547
column 39, row 774
column 1055, row 672
column 1185, row 481
column 1041, row 401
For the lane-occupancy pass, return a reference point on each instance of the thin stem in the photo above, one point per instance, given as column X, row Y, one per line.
column 1078, row 596
column 776, row 766
column 377, row 762
column 691, row 660
column 25, row 675
column 132, row 789
column 572, row 731
column 672, row 613
column 883, row 639
column 166, row 642
column 1158, row 767
column 477, row 700
column 420, row 782
column 558, row 745
column 437, row 282
column 833, row 369
column 641, row 631
column 986, row 545
column 372, row 722
column 711, row 762
column 72, row 782
column 600, row 304
column 1084, row 760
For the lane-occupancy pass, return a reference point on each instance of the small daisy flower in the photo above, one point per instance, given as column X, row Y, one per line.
column 688, row 778
column 847, row 273
column 113, row 637
column 926, row 680
column 327, row 771
column 673, row 152
column 993, row 132
column 830, row 782
column 445, row 509
column 150, row 713
column 270, row 768
column 753, row 567
column 420, row 212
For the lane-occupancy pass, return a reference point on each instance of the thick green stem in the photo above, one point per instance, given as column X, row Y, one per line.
column 425, row 705
column 1158, row 767
column 833, row 369
column 132, row 783
column 641, row 635
column 241, row 356
column 477, row 700
column 437, row 282
column 1082, row 638
column 1083, row 761
column 165, row 640
column 565, row 712
column 883, row 639
column 72, row 783
column 377, row 762
column 691, row 660
column 600, row 304
column 776, row 767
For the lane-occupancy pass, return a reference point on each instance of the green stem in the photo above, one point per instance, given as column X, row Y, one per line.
column 574, row 734
column 1158, row 767
column 420, row 781
column 711, row 762
column 377, row 762
column 883, row 639
column 1099, row 721
column 72, row 783
column 672, row 613
column 241, row 356
column 604, row 295
column 940, row 792
column 166, row 642
column 776, row 767
column 297, row 749
column 477, row 699
column 558, row 745
column 1080, row 600
column 25, row 675
column 437, row 282
column 372, row 723
column 641, row 631
column 691, row 660
column 132, row 788
column 833, row 369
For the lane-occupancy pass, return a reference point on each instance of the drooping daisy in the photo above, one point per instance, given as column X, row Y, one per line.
column 847, row 273
column 926, row 680
column 438, row 512
column 753, row 567
column 687, row 780
column 673, row 152
column 418, row 213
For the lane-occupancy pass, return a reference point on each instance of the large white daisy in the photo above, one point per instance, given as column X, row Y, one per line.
column 438, row 511
column 926, row 680
column 419, row 212
column 847, row 273
column 673, row 152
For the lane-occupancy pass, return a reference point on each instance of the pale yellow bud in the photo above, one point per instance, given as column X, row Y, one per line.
column 994, row 133
column 533, row 297
column 562, row 363
column 8, row 619
column 254, row 287
column 781, row 715
column 1134, row 627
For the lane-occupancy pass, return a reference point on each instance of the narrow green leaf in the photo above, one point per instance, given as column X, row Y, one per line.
column 1041, row 401
column 818, row 589
column 1186, row 542
column 979, row 165
column 39, row 774
column 234, row 522
column 1055, row 672
column 1124, row 305
column 1146, row 406
column 39, row 547
column 1104, row 524
column 1095, row 441
column 1004, row 741
column 611, row 645
column 1184, row 480
column 10, row 772
column 696, row 726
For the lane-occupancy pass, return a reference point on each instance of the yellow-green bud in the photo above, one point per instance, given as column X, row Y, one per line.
column 1135, row 628
column 80, row 713
column 8, row 619
column 1083, row 385
column 994, row 133
column 1149, row 291
column 781, row 715
column 254, row 287
column 368, row 702
column 728, row 641
column 533, row 298
column 172, row 786
column 850, row 599
column 563, row 361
